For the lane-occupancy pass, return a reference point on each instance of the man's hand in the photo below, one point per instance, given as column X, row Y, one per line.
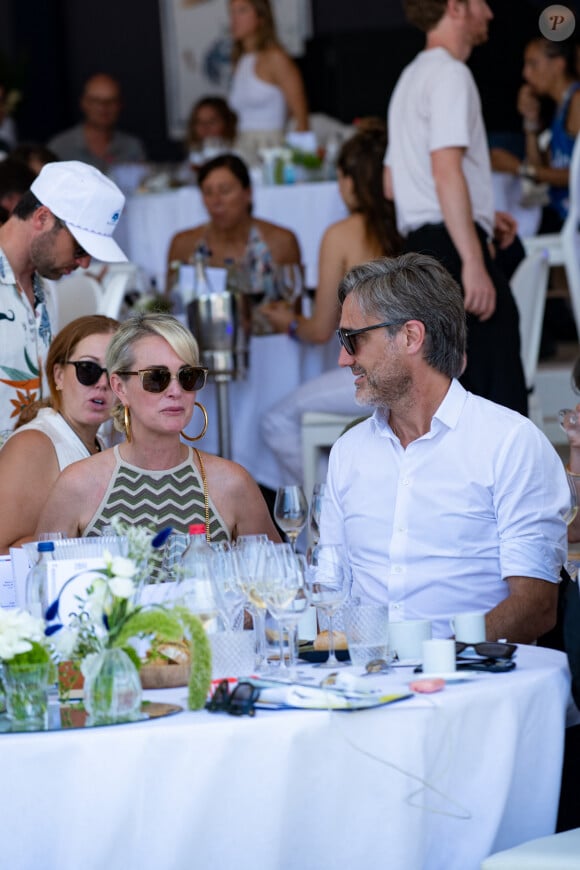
column 479, row 292
column 505, row 229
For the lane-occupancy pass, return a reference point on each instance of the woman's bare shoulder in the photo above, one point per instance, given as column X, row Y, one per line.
column 282, row 242
column 183, row 243
column 80, row 477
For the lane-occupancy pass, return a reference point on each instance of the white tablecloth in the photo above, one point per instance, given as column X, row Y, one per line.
column 150, row 220
column 278, row 366
column 297, row 789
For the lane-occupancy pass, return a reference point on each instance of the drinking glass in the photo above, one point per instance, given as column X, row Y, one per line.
column 289, row 281
column 250, row 549
column 291, row 511
column 229, row 576
column 328, row 581
column 285, row 596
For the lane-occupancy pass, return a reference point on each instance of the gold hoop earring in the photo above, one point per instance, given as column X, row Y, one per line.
column 205, row 422
column 127, row 421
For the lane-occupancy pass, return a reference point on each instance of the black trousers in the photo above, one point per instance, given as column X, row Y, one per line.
column 494, row 367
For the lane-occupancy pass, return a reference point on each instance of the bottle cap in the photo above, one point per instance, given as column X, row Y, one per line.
column 45, row 546
column 197, row 529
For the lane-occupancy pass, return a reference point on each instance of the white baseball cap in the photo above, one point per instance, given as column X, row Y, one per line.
column 88, row 202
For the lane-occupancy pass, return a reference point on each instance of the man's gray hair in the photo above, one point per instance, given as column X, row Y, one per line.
column 414, row 287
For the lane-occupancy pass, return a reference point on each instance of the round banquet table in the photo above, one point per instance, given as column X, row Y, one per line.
column 430, row 783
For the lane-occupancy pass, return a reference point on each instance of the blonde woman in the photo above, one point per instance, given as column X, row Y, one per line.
column 267, row 87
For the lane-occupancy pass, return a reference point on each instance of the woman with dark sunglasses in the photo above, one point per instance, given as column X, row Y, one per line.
column 52, row 434
column 154, row 478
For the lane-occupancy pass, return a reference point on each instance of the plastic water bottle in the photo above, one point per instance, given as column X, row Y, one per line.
column 196, row 584
column 36, row 580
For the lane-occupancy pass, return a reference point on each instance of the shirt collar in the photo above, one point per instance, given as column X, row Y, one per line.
column 447, row 414
column 7, row 277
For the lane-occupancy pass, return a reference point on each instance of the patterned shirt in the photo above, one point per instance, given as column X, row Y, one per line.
column 24, row 339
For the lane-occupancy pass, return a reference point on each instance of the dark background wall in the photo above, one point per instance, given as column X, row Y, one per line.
column 49, row 47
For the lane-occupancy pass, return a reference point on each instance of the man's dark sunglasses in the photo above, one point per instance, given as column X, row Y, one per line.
column 347, row 337
column 157, row 378
column 238, row 702
column 489, row 649
column 88, row 373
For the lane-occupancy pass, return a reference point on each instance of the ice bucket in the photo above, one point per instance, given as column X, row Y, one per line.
column 219, row 324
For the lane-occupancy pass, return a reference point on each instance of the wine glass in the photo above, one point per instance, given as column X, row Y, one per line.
column 250, row 548
column 229, row 575
column 328, row 581
column 291, row 511
column 286, row 599
column 289, row 282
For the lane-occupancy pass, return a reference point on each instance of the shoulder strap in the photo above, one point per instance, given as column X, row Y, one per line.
column 205, row 493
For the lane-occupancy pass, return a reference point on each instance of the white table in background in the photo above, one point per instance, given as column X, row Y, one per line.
column 297, row 789
column 151, row 219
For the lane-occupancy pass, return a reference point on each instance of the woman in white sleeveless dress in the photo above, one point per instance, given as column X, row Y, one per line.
column 267, row 87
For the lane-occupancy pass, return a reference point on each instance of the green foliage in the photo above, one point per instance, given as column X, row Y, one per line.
column 37, row 655
column 308, row 159
column 153, row 620
column 200, row 674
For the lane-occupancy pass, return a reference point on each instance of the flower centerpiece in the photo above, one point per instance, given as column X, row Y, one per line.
column 26, row 667
column 111, row 617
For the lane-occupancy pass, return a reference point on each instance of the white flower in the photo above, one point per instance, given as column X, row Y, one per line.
column 64, row 642
column 18, row 629
column 121, row 567
column 121, row 587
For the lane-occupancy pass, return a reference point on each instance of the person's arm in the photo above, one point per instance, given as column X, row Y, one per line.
column 537, row 163
column 573, row 435
column 181, row 248
column 529, row 611
column 331, row 267
column 453, row 194
column 505, row 229
column 286, row 76
column 237, row 497
column 28, row 468
column 388, row 191
column 66, row 499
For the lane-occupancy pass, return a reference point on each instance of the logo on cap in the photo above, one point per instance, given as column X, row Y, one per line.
column 114, row 217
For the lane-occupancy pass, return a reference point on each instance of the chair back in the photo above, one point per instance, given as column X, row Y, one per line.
column 113, row 297
column 529, row 286
column 74, row 296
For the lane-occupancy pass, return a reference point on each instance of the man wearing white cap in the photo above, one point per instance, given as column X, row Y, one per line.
column 68, row 216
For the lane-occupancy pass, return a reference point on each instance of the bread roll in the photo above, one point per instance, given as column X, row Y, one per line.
column 321, row 642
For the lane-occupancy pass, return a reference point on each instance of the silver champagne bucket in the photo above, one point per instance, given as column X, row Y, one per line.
column 220, row 323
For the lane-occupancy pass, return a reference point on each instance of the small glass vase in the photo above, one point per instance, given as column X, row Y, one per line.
column 26, row 688
column 112, row 691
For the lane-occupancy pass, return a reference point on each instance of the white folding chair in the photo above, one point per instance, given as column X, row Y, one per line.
column 112, row 299
column 319, row 432
column 529, row 285
column 74, row 296
column 562, row 248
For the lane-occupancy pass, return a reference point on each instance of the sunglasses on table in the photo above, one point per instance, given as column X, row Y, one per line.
column 88, row 373
column 157, row 378
column 239, row 702
column 488, row 649
column 347, row 337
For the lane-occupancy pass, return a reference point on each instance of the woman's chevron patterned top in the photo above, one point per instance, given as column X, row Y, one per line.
column 171, row 497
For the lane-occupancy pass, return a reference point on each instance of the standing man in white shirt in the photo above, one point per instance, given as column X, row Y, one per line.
column 446, row 502
column 438, row 172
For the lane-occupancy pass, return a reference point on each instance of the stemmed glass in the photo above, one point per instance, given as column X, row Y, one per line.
column 289, row 282
column 285, row 596
column 328, row 580
column 291, row 511
column 250, row 549
column 229, row 577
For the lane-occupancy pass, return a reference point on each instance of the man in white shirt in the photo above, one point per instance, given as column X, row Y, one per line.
column 438, row 172
column 445, row 501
